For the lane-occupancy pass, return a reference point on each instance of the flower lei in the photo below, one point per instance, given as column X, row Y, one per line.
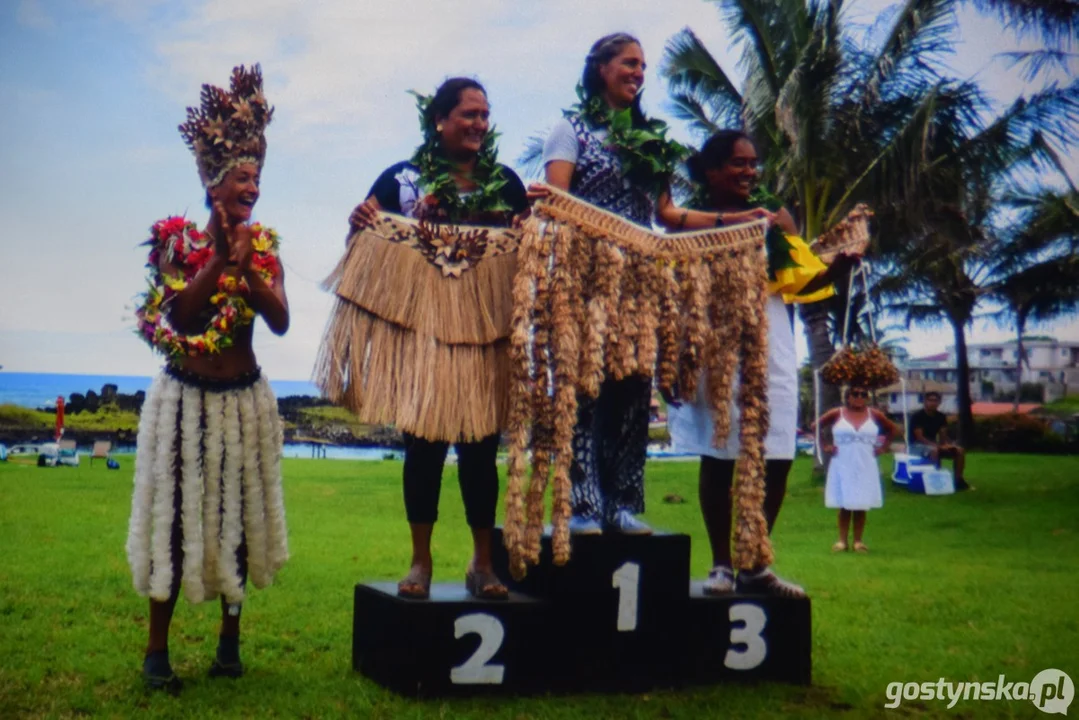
column 436, row 174
column 648, row 157
column 189, row 250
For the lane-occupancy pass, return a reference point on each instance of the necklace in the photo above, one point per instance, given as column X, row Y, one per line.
column 648, row 156
column 438, row 173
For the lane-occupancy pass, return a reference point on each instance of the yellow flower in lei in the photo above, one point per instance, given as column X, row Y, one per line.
column 188, row 250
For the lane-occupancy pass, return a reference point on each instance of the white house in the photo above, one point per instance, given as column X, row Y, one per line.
column 994, row 367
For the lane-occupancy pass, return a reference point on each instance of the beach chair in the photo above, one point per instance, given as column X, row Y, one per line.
column 101, row 450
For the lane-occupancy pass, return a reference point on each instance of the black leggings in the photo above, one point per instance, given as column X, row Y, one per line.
column 721, row 474
column 476, row 472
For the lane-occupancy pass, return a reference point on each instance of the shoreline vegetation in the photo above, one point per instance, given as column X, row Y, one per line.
column 110, row 415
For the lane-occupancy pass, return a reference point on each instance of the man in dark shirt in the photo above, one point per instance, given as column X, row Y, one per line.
column 929, row 437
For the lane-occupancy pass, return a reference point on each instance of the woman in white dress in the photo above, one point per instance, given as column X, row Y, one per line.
column 853, row 485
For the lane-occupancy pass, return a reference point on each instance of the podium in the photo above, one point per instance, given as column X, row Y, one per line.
column 621, row 616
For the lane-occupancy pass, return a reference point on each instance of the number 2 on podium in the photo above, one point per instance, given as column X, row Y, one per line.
column 475, row 670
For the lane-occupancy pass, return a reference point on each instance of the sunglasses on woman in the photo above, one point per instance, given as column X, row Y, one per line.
column 859, row 393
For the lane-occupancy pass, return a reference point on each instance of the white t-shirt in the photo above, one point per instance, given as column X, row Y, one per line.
column 562, row 142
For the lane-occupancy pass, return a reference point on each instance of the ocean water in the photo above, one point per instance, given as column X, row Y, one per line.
column 34, row 390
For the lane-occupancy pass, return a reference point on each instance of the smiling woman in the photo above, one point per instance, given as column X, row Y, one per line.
column 453, row 179
column 607, row 153
column 208, row 507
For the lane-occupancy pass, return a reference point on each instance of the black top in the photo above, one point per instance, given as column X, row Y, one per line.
column 397, row 191
column 931, row 425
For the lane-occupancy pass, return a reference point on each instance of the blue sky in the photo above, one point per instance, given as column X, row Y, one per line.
column 92, row 92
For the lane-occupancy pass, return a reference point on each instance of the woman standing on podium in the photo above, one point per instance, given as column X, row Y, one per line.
column 454, row 177
column 727, row 168
column 590, row 153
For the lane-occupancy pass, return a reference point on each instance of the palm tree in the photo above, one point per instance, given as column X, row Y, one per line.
column 840, row 121
column 1037, row 280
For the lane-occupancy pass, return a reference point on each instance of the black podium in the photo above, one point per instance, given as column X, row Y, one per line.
column 621, row 616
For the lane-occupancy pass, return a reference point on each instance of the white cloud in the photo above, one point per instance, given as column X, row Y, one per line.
column 31, row 14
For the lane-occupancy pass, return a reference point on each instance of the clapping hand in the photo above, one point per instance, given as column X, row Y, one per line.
column 237, row 240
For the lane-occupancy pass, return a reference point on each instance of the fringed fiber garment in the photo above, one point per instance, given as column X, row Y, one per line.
column 221, row 449
column 598, row 296
column 418, row 337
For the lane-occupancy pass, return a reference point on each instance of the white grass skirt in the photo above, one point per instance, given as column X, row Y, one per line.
column 222, row 450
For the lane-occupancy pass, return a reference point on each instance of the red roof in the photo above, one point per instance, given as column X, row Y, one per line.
column 999, row 408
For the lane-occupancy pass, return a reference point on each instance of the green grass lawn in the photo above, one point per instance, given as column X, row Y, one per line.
column 963, row 587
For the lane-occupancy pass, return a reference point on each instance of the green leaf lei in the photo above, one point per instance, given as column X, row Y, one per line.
column 436, row 174
column 648, row 157
column 775, row 240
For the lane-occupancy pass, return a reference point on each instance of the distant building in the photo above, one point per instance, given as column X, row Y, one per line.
column 995, row 368
column 892, row 396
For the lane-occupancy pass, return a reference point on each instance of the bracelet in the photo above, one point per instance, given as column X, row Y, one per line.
column 682, row 219
column 719, row 220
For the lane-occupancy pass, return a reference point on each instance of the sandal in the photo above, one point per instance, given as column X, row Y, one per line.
column 840, row 546
column 859, row 547
column 416, row 585
column 767, row 582
column 485, row 585
column 720, row 581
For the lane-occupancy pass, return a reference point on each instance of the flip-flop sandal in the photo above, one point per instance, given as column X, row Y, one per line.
column 415, row 586
column 485, row 586
column 859, row 547
column 839, row 547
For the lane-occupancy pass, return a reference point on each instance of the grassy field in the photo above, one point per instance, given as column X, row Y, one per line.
column 964, row 587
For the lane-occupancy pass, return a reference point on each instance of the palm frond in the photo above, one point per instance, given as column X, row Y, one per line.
column 1022, row 132
column 921, row 33
column 1054, row 21
column 804, row 103
column 700, row 91
column 1033, row 63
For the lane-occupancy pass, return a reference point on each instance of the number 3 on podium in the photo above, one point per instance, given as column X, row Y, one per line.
column 753, row 620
